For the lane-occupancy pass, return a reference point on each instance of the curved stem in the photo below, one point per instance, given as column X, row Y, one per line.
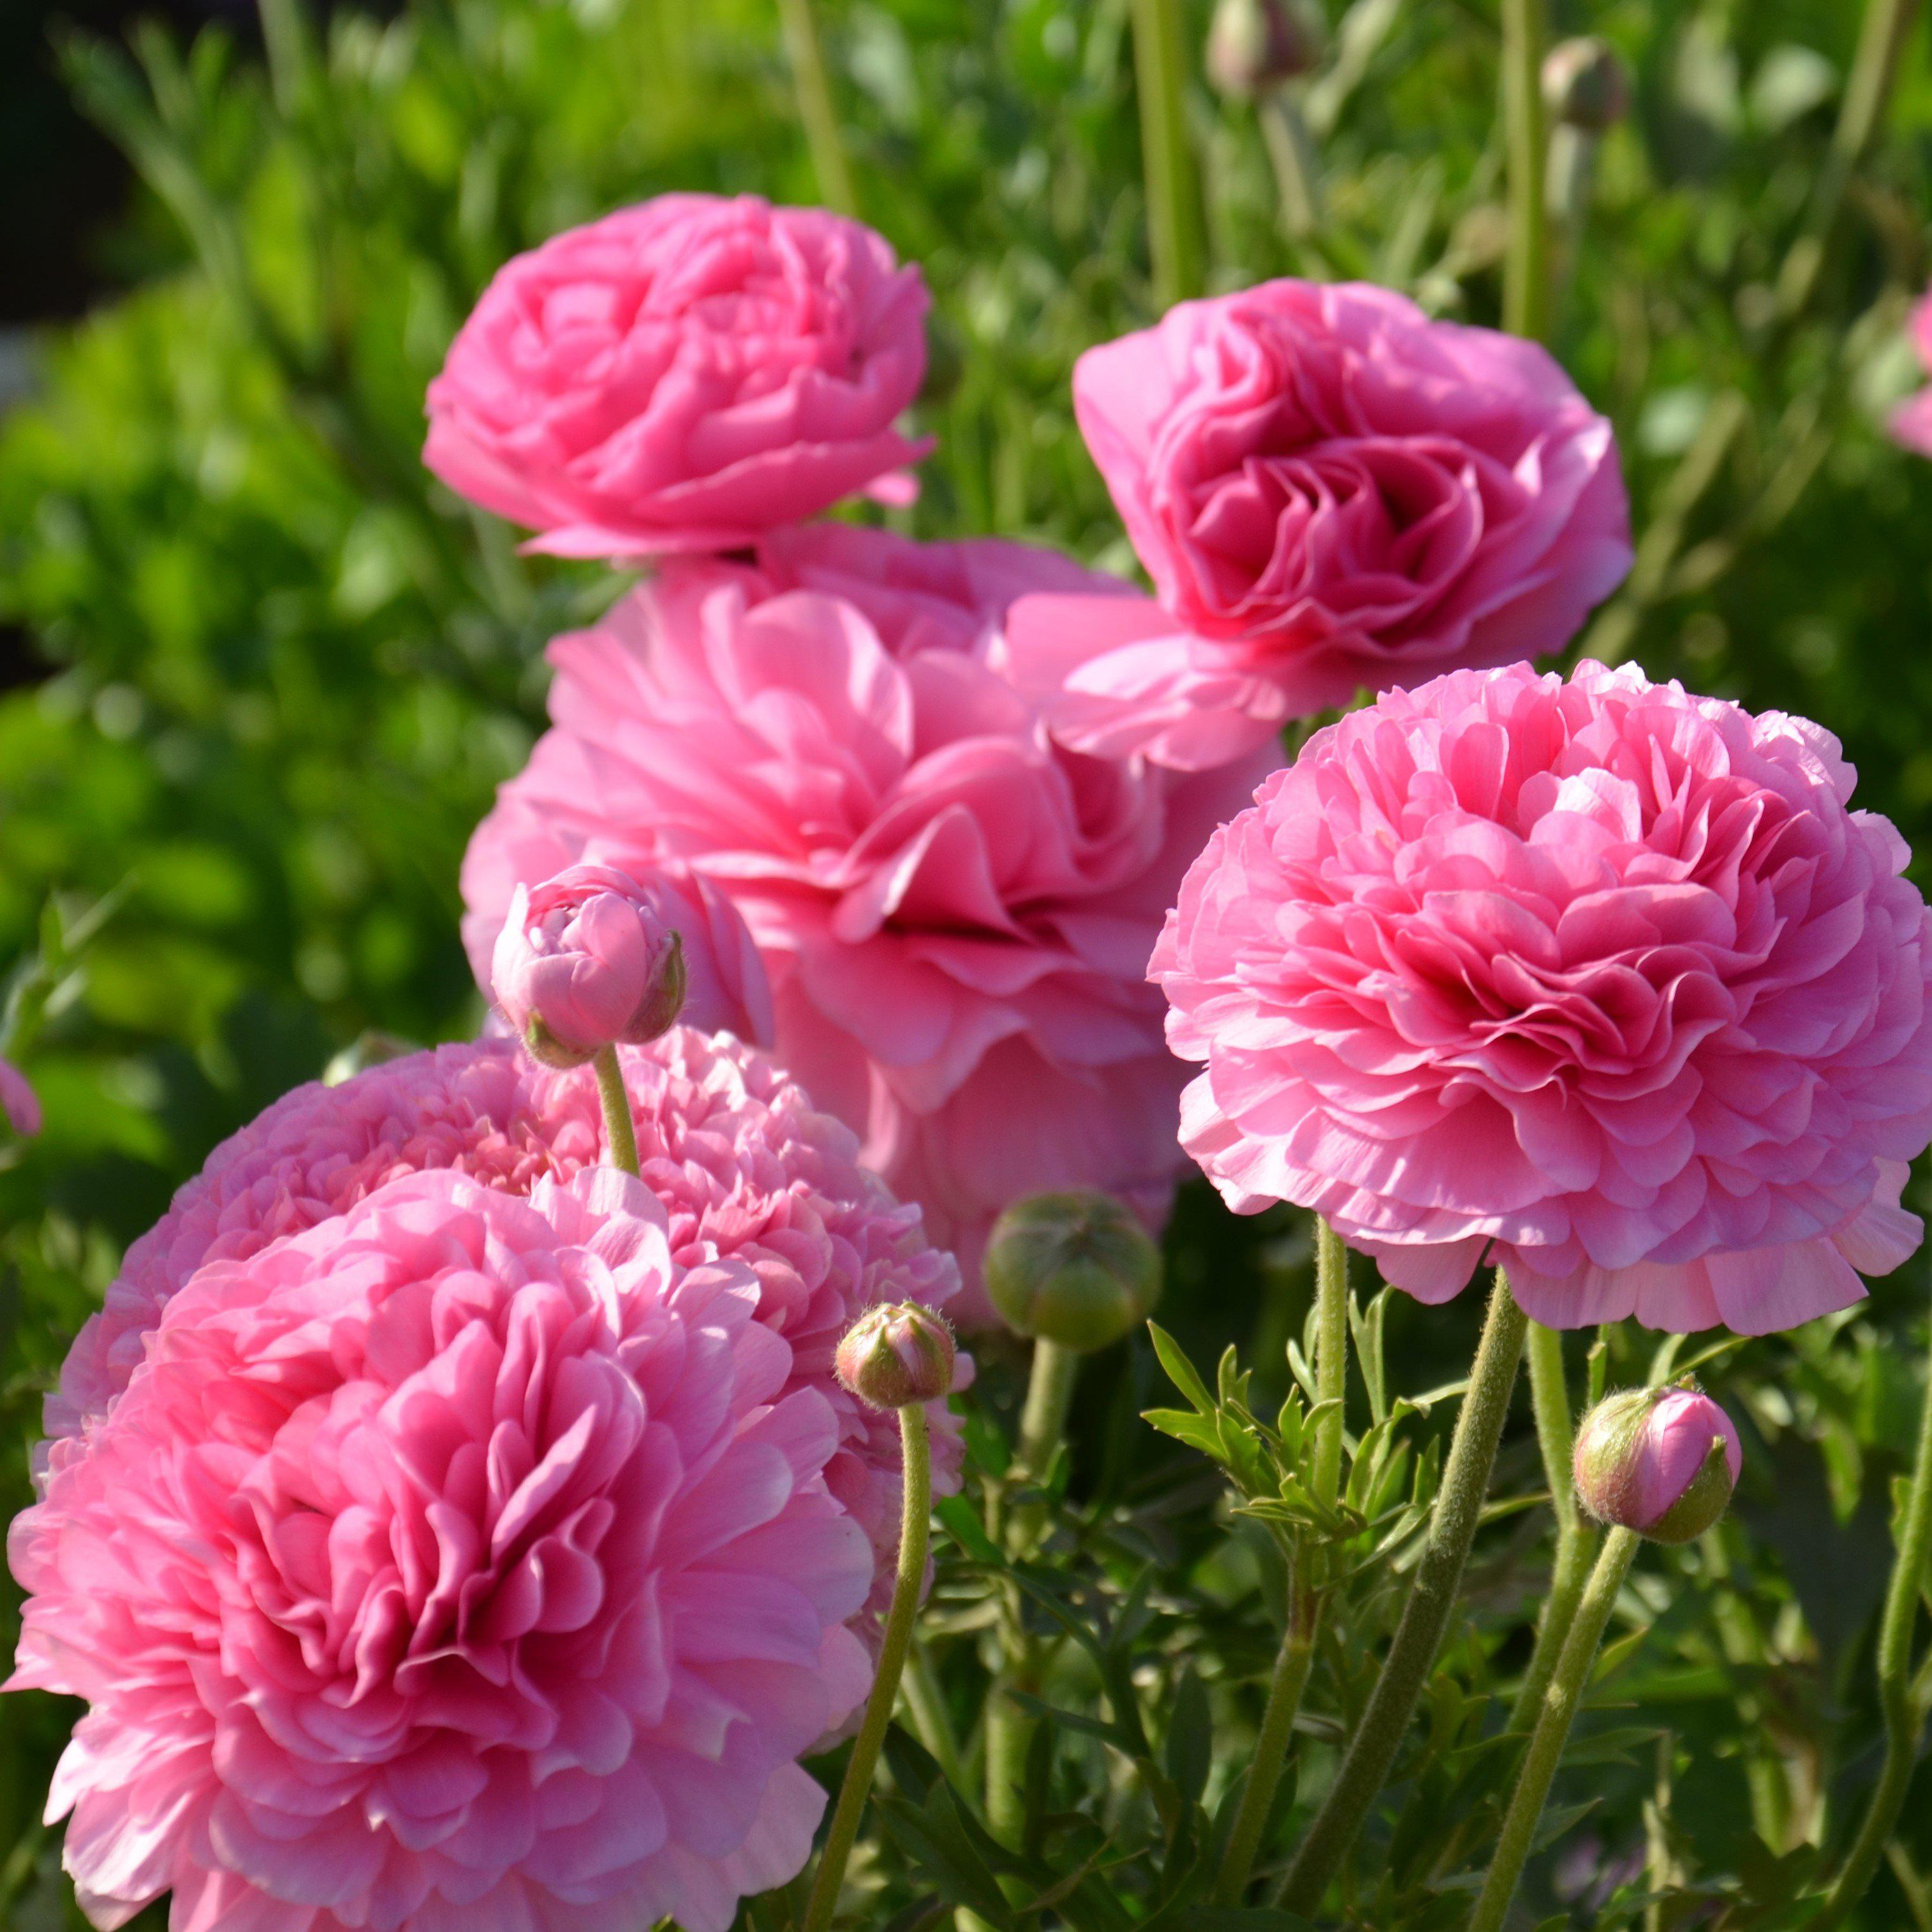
column 1291, row 1663
column 915, row 1530
column 1431, row 1595
column 1904, row 1707
column 618, row 1124
column 1553, row 1721
column 1549, row 1394
column 1525, row 266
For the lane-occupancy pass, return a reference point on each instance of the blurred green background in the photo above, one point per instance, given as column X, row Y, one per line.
column 259, row 676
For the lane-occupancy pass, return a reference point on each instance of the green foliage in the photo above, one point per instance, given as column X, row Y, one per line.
column 283, row 672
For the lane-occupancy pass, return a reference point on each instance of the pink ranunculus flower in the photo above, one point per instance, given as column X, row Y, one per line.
column 956, row 910
column 683, row 375
column 596, row 957
column 461, row 1560
column 744, row 1165
column 1332, row 494
column 1911, row 421
column 19, row 1105
column 1591, row 978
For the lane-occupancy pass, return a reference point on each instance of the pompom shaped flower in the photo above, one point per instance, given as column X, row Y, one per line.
column 683, row 375
column 19, row 1105
column 1661, row 1461
column 744, row 1165
column 1595, row 979
column 1331, row 493
column 1911, row 421
column 955, row 909
column 462, row 1560
column 595, row 957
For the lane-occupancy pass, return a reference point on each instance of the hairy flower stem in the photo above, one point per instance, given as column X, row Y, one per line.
column 1902, row 1703
column 1432, row 1596
column 816, row 113
column 1173, row 200
column 618, row 1124
column 1557, row 1712
column 915, row 1531
column 1526, row 264
column 1307, row 1598
column 1009, row 1730
column 1549, row 1394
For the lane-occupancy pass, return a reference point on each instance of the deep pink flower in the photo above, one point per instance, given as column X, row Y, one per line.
column 1595, row 979
column 1911, row 421
column 461, row 1561
column 956, row 911
column 1331, row 493
column 682, row 375
column 596, row 956
column 745, row 1166
column 19, row 1105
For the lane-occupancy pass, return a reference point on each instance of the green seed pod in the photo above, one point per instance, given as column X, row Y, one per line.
column 1077, row 1269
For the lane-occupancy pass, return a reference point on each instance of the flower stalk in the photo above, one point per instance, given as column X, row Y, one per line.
column 915, row 1531
column 1525, row 265
column 816, row 112
column 1438, row 1576
column 1173, row 199
column 1556, row 1715
column 618, row 1127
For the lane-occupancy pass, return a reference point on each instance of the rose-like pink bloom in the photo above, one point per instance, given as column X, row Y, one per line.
column 1640, row 1455
column 460, row 1561
column 683, row 375
column 1911, row 421
column 19, row 1105
column 956, row 910
column 1592, row 978
column 594, row 956
column 1331, row 494
column 744, row 1165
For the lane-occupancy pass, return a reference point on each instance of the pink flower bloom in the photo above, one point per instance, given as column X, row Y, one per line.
column 1331, row 493
column 683, row 375
column 594, row 956
column 1593, row 978
column 744, row 1165
column 19, row 1105
column 463, row 1560
column 1912, row 422
column 955, row 910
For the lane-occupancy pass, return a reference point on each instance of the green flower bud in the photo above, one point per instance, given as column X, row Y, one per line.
column 1254, row 45
column 1076, row 1268
column 896, row 1354
column 1586, row 85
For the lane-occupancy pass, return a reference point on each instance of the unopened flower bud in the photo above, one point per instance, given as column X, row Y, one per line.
column 896, row 1354
column 1077, row 1269
column 1254, row 45
column 1586, row 84
column 19, row 1106
column 1661, row 1461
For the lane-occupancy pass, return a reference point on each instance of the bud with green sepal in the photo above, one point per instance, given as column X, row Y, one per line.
column 895, row 1354
column 1662, row 1461
column 1075, row 1269
column 1255, row 45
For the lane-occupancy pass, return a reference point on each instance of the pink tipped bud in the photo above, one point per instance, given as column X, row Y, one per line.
column 1661, row 1461
column 19, row 1106
column 896, row 1354
column 1586, row 84
column 595, row 957
column 1077, row 1269
column 1254, row 45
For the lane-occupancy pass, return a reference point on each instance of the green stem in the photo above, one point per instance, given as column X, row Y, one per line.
column 915, row 1528
column 1173, row 201
column 1904, row 1707
column 1292, row 1664
column 1549, row 1394
column 1552, row 1731
column 1049, row 1395
column 1525, row 265
column 1297, row 175
column 618, row 1125
column 816, row 112
column 932, row 1722
column 1432, row 1596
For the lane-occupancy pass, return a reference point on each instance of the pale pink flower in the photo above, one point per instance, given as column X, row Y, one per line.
column 1911, row 421
column 19, row 1105
column 461, row 1561
column 683, row 375
column 1332, row 494
column 955, row 909
column 596, row 956
column 1591, row 978
column 744, row 1165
